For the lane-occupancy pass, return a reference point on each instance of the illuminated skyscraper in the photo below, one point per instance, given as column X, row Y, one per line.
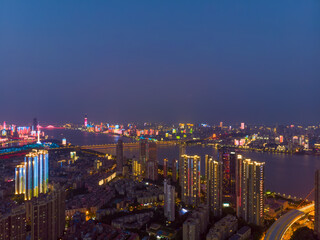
column 165, row 167
column 182, row 151
column 136, row 168
column 242, row 126
column 252, row 193
column 317, row 203
column 32, row 175
column 231, row 176
column 85, row 121
column 175, row 170
column 169, row 201
column 143, row 155
column 214, row 185
column 119, row 156
column 190, row 179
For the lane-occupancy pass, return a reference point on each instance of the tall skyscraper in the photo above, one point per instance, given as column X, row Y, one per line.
column 231, row 176
column 175, row 170
column 242, row 126
column 119, row 152
column 165, row 167
column 35, row 124
column 190, row 179
column 85, row 121
column 32, row 175
column 148, row 159
column 252, row 194
column 169, row 201
column 214, row 185
column 143, row 155
column 136, row 168
column 152, row 170
column 182, row 151
column 317, row 203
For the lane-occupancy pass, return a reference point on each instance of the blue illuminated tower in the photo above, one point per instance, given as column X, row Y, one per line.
column 32, row 175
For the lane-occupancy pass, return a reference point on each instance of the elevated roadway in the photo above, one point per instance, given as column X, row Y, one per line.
column 279, row 227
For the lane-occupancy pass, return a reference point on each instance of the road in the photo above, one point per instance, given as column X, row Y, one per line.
column 279, row 228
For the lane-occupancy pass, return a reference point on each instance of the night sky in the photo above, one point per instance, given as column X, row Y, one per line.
column 204, row 61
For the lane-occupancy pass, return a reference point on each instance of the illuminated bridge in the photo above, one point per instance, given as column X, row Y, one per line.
column 126, row 145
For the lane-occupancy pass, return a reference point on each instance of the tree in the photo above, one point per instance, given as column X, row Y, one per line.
column 304, row 233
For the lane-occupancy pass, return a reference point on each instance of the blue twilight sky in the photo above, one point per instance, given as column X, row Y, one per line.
column 205, row 61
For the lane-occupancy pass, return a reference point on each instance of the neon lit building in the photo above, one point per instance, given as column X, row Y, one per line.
column 85, row 121
column 214, row 185
column 190, row 179
column 32, row 175
column 252, row 194
column 231, row 186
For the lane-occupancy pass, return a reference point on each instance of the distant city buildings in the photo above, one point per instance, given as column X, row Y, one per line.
column 32, row 175
column 190, row 179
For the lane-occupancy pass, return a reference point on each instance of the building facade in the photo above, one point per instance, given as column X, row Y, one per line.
column 214, row 185
column 190, row 179
column 252, row 194
column 169, row 200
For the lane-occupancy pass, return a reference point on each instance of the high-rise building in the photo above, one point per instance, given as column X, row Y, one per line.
column 152, row 170
column 175, row 170
column 13, row 224
column 143, row 146
column 242, row 126
column 317, row 203
column 85, row 121
column 196, row 224
column 169, row 201
column 47, row 215
column 182, row 151
column 231, row 176
column 148, row 159
column 35, row 124
column 190, row 179
column 119, row 152
column 136, row 168
column 214, row 185
column 221, row 124
column 165, row 167
column 252, row 193
column 191, row 229
column 32, row 175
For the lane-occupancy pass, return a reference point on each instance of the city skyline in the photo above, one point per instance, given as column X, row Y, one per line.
column 152, row 61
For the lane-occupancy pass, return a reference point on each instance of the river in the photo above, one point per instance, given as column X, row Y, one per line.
column 289, row 174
